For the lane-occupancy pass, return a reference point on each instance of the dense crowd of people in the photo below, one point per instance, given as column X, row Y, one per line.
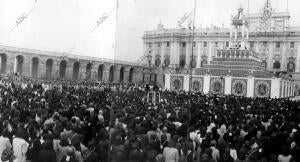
column 68, row 121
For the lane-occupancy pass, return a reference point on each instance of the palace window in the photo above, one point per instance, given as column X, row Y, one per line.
column 204, row 44
column 251, row 44
column 183, row 44
column 277, row 44
column 216, row 44
column 168, row 44
column 158, row 44
column 203, row 62
column 194, row 44
column 150, row 45
column 292, row 45
column 276, row 65
column 264, row 64
column 227, row 44
column 291, row 67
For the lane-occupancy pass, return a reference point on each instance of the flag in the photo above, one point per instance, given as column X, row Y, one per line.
column 187, row 19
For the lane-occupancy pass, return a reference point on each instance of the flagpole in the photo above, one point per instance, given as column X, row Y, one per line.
column 116, row 27
column 193, row 36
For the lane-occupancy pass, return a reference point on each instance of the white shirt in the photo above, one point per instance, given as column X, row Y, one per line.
column 4, row 143
column 20, row 147
column 233, row 154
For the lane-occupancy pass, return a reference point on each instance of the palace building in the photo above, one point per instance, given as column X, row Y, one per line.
column 267, row 35
column 252, row 56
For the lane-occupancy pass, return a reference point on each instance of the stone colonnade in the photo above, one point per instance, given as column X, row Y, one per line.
column 39, row 64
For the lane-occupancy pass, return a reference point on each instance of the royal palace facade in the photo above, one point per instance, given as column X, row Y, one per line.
column 186, row 50
column 52, row 65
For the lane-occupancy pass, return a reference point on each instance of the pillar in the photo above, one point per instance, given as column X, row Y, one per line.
column 105, row 77
column 42, row 68
column 55, row 68
column 174, row 60
column 250, row 87
column 199, row 55
column 275, row 88
column 297, row 46
column 294, row 88
column 126, row 75
column 163, row 50
column 270, row 56
column 281, row 87
column 227, row 88
column 168, row 81
column 289, row 88
column 286, row 88
column 206, row 83
column 210, row 51
column 188, row 53
column 283, row 65
column 186, row 82
column 117, row 74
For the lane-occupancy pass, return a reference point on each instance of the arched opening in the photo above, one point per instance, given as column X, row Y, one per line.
column 131, row 73
column 182, row 61
column 76, row 67
column 89, row 71
column 111, row 74
column 35, row 67
column 276, row 65
column 291, row 65
column 264, row 64
column 3, row 62
column 62, row 68
column 49, row 64
column 100, row 72
column 19, row 64
column 122, row 74
column 203, row 62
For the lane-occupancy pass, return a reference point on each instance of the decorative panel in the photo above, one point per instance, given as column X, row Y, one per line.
column 239, row 87
column 262, row 88
column 176, row 83
column 197, row 84
column 217, row 85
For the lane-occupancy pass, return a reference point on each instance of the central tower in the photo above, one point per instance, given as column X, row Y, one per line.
column 239, row 33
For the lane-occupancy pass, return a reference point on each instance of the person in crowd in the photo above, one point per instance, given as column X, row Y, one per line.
column 83, row 121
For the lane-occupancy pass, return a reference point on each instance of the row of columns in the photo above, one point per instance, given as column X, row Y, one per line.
column 287, row 89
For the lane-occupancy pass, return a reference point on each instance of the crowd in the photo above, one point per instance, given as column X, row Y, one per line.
column 63, row 121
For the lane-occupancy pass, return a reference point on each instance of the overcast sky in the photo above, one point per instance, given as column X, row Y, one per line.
column 65, row 25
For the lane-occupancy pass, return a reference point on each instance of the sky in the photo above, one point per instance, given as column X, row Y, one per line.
column 60, row 26
column 65, row 25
